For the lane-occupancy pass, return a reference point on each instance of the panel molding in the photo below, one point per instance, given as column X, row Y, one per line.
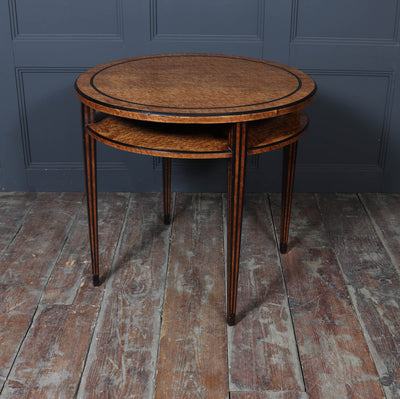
column 390, row 76
column 337, row 41
column 347, row 177
column 253, row 162
column 16, row 35
column 155, row 35
column 22, row 108
column 338, row 168
column 23, row 117
column 75, row 166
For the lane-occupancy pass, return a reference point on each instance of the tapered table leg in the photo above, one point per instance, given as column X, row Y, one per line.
column 166, row 166
column 236, row 177
column 289, row 165
column 89, row 149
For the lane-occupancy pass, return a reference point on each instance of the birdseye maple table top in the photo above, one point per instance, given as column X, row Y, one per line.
column 195, row 88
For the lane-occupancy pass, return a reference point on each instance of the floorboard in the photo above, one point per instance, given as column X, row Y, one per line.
column 66, row 314
column 26, row 266
column 193, row 347
column 262, row 346
column 13, row 209
column 334, row 355
column 373, row 281
column 122, row 359
column 269, row 395
column 384, row 212
column 319, row 322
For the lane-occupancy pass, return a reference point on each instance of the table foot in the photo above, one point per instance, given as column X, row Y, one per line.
column 289, row 165
column 231, row 320
column 96, row 280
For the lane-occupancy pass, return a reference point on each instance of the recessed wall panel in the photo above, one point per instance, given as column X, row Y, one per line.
column 207, row 18
column 50, row 117
column 348, row 119
column 72, row 18
column 344, row 19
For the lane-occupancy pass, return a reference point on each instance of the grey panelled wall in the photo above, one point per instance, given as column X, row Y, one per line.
column 350, row 47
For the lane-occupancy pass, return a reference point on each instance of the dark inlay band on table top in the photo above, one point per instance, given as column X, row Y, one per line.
column 199, row 88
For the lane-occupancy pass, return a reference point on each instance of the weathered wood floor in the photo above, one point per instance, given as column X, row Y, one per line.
column 320, row 322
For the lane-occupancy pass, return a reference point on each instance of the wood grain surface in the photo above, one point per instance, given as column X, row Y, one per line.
column 328, row 332
column 306, row 229
column 60, row 337
column 13, row 208
column 330, row 337
column 269, row 395
column 123, row 357
column 90, row 162
column 46, row 366
column 288, row 171
column 200, row 88
column 71, row 280
column 195, row 141
column 193, row 346
column 384, row 211
column 235, row 197
column 373, row 280
column 263, row 352
column 26, row 266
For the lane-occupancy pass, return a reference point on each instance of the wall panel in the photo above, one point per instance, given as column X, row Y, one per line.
column 350, row 47
column 349, row 120
column 344, row 20
column 207, row 20
column 72, row 20
column 50, row 115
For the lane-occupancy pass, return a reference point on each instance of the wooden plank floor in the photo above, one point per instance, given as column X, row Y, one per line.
column 321, row 321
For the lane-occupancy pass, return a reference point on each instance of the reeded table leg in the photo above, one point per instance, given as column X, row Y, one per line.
column 289, row 165
column 166, row 166
column 236, row 176
column 89, row 149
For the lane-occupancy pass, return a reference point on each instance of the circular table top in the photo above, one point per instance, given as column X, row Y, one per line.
column 195, row 88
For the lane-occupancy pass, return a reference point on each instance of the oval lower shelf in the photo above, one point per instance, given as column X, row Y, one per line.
column 196, row 140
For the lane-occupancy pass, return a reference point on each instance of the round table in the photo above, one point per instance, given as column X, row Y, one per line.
column 196, row 106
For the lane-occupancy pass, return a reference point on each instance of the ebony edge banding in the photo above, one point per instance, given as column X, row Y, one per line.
column 196, row 115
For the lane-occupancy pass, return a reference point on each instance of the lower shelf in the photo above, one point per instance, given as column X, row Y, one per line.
column 196, row 140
